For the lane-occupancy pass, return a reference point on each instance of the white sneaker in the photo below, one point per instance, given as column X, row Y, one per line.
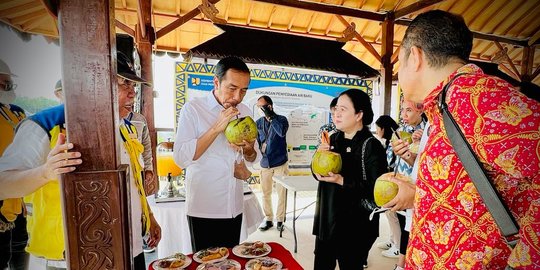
column 393, row 252
column 385, row 245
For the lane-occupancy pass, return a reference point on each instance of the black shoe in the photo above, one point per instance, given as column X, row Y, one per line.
column 266, row 225
column 280, row 227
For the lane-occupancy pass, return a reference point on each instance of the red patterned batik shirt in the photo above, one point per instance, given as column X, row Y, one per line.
column 452, row 228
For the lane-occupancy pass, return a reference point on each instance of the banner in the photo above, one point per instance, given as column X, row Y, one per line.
column 304, row 98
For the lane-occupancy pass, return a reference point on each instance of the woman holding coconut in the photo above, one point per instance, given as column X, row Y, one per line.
column 341, row 216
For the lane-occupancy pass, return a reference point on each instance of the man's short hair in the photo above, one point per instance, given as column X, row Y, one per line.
column 58, row 86
column 442, row 36
column 267, row 99
column 230, row 62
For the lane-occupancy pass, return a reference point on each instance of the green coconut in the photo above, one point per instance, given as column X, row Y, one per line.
column 241, row 129
column 385, row 190
column 324, row 162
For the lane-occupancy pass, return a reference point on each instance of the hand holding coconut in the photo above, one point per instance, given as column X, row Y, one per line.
column 326, row 164
column 224, row 118
column 404, row 195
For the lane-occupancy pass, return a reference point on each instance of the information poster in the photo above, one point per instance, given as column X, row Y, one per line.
column 303, row 98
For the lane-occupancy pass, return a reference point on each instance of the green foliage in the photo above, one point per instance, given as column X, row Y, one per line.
column 34, row 105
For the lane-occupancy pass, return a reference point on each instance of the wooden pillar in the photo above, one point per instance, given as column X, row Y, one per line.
column 386, row 60
column 95, row 196
column 527, row 63
column 144, row 39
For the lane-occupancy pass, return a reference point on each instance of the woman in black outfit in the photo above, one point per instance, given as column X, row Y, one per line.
column 341, row 216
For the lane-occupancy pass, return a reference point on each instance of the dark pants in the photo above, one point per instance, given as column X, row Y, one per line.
column 404, row 240
column 339, row 248
column 138, row 262
column 12, row 244
column 210, row 232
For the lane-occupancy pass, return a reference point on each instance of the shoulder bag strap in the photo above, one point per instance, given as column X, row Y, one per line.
column 487, row 191
column 364, row 157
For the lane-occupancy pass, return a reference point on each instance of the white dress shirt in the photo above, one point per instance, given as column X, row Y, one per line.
column 211, row 189
column 30, row 148
column 414, row 173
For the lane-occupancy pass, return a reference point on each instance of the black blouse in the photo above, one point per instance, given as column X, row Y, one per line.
column 340, row 207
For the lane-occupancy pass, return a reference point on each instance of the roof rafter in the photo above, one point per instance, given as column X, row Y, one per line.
column 368, row 46
column 180, row 21
column 478, row 35
column 508, row 59
column 331, row 9
column 124, row 28
column 415, row 7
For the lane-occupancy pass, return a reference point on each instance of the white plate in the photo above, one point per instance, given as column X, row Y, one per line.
column 239, row 250
column 233, row 265
column 252, row 262
column 187, row 262
column 199, row 260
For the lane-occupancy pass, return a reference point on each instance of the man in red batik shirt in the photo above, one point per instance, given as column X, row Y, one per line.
column 452, row 228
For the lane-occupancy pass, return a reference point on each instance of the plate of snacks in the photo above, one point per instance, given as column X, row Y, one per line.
column 264, row 263
column 221, row 265
column 210, row 255
column 175, row 262
column 251, row 250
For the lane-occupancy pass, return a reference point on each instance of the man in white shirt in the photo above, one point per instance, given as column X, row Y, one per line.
column 214, row 197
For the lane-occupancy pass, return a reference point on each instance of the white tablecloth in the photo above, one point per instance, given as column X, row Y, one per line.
column 175, row 237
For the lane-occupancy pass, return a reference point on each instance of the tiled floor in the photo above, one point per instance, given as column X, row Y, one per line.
column 306, row 241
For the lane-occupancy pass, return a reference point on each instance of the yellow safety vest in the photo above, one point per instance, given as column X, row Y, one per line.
column 10, row 116
column 45, row 221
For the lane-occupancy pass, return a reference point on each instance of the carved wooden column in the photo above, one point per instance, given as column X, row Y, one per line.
column 144, row 38
column 95, row 197
column 386, row 60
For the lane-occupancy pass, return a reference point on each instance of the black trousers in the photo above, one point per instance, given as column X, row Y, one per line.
column 404, row 240
column 339, row 248
column 12, row 244
column 210, row 232
column 139, row 262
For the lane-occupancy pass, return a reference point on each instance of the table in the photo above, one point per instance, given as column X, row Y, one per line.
column 295, row 184
column 175, row 236
column 278, row 251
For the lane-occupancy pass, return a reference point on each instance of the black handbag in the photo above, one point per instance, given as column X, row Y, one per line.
column 368, row 204
column 494, row 203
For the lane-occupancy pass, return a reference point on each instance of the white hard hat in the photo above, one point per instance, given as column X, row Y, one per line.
column 4, row 69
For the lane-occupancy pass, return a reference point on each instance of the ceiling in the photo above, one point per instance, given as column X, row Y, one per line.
column 513, row 24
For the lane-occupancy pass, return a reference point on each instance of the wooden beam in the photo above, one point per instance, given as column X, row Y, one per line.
column 180, row 21
column 368, row 46
column 143, row 19
column 34, row 23
column 415, row 7
column 534, row 39
column 144, row 49
column 395, row 56
column 94, row 197
column 527, row 61
column 124, row 28
column 535, row 73
column 20, row 10
column 387, row 66
column 30, row 16
column 250, row 13
column 311, row 21
column 509, row 72
column 507, row 58
column 272, row 14
column 478, row 35
column 330, row 9
column 328, row 25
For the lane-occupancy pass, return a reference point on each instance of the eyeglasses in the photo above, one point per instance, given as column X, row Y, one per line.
column 126, row 83
column 8, row 86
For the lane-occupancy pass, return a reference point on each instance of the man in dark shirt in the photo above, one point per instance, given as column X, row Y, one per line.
column 272, row 130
